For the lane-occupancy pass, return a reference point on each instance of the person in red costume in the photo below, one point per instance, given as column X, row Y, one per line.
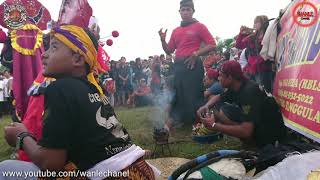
column 25, row 20
column 3, row 36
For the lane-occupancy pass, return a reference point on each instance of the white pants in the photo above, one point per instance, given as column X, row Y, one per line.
column 16, row 170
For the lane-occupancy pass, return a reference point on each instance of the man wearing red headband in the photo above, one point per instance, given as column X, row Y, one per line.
column 245, row 111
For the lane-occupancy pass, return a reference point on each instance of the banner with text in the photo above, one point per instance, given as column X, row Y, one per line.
column 297, row 83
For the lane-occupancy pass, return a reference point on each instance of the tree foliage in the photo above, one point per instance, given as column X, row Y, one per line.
column 224, row 45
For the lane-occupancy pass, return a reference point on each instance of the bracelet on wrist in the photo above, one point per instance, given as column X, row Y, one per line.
column 20, row 138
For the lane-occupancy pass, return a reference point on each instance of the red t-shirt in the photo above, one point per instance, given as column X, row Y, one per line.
column 186, row 40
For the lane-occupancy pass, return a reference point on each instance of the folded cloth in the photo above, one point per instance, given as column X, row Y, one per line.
column 120, row 161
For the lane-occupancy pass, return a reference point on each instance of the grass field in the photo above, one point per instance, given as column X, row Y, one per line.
column 139, row 124
column 5, row 150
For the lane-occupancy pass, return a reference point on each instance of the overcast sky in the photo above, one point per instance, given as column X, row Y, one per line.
column 138, row 21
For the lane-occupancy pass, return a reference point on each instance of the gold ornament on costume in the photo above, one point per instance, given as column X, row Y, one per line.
column 15, row 16
column 26, row 51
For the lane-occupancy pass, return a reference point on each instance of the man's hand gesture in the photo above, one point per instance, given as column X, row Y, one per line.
column 163, row 34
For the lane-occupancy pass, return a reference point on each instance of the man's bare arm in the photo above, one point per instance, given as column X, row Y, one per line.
column 165, row 47
column 242, row 131
column 44, row 158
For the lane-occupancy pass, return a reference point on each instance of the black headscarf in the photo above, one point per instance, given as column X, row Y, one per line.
column 186, row 3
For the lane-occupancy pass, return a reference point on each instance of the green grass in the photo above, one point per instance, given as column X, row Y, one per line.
column 5, row 149
column 139, row 124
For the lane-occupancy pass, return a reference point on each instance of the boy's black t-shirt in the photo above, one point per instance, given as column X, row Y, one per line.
column 259, row 109
column 76, row 120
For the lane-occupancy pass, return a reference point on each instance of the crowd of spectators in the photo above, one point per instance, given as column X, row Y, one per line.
column 135, row 83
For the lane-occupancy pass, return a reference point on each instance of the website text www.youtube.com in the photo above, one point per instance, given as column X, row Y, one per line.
column 62, row 174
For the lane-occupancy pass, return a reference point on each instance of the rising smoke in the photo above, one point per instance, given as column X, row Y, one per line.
column 161, row 104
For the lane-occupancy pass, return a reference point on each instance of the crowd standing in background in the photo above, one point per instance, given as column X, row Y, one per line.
column 127, row 80
column 124, row 78
column 123, row 81
column 66, row 119
column 194, row 75
column 189, row 72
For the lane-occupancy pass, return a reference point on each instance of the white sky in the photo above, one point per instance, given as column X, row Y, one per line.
column 138, row 21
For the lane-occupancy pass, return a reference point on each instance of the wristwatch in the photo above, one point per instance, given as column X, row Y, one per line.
column 20, row 137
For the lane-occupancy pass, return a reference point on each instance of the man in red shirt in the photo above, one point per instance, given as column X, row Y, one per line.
column 188, row 69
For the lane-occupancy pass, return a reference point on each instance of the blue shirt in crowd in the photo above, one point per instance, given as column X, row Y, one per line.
column 215, row 88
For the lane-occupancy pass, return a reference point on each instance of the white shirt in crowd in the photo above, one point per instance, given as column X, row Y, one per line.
column 6, row 87
column 243, row 60
column 147, row 72
column 2, row 85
